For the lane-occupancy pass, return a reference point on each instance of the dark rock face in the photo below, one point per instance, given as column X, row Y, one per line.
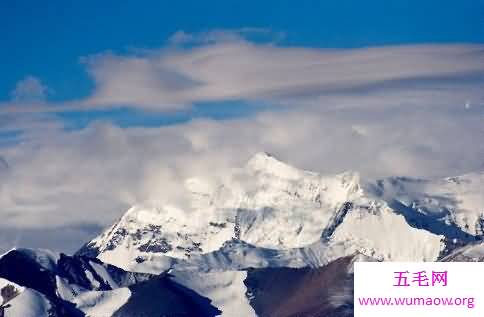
column 7, row 293
column 74, row 268
column 336, row 220
column 88, row 250
column 304, row 292
column 152, row 295
column 220, row 225
column 21, row 269
column 161, row 296
column 157, row 246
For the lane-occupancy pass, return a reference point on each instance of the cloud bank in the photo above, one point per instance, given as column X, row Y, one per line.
column 407, row 110
column 172, row 79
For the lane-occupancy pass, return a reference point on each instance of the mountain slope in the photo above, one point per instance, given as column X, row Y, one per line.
column 268, row 218
column 452, row 206
column 274, row 208
column 54, row 285
column 25, row 302
column 473, row 252
column 304, row 292
column 267, row 239
column 267, row 203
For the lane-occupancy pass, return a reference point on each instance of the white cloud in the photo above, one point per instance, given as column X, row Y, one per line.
column 29, row 89
column 222, row 65
column 380, row 111
column 218, row 36
column 174, row 78
column 92, row 175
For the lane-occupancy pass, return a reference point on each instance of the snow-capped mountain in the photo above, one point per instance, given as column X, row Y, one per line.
column 247, row 245
column 22, row 301
column 268, row 204
column 273, row 210
column 53, row 285
column 452, row 206
column 322, row 291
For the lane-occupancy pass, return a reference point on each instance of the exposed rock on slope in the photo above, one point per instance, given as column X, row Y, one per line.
column 275, row 207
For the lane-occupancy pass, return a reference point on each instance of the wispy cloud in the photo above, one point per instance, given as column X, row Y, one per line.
column 222, row 65
column 29, row 89
column 175, row 78
column 182, row 38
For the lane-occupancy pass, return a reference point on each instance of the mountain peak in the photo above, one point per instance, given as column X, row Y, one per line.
column 267, row 163
column 262, row 157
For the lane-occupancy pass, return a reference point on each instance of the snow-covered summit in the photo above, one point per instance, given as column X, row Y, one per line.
column 231, row 234
column 266, row 203
column 449, row 204
column 267, row 163
column 272, row 205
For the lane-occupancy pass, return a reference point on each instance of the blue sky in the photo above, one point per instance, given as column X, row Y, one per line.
column 47, row 39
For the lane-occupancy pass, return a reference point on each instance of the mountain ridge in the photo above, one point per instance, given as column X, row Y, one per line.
column 271, row 205
column 224, row 250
